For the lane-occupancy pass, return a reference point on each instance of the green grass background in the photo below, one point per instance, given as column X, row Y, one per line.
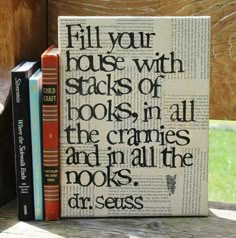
column 222, row 161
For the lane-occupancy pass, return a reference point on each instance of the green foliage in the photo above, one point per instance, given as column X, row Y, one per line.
column 222, row 165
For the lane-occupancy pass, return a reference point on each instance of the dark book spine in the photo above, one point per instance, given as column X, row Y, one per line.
column 22, row 143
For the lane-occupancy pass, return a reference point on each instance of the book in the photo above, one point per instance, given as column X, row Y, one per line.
column 134, row 95
column 22, row 138
column 50, row 128
column 35, row 94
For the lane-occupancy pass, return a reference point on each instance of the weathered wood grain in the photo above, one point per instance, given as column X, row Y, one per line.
column 223, row 35
column 22, row 32
column 220, row 223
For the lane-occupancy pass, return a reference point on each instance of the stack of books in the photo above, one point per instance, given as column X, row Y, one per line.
column 114, row 122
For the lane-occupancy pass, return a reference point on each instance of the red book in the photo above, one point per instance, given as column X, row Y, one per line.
column 50, row 131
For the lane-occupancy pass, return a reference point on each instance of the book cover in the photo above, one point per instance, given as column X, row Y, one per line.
column 22, row 138
column 35, row 87
column 50, row 128
column 134, row 106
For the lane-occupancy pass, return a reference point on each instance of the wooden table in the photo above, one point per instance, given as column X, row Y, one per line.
column 220, row 223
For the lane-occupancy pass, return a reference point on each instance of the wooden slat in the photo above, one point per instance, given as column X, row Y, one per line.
column 22, row 32
column 220, row 223
column 223, row 35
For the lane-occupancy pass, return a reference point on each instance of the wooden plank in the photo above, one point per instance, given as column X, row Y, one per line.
column 22, row 32
column 223, row 35
column 220, row 223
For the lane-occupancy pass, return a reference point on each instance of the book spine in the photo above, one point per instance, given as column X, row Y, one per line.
column 50, row 120
column 22, row 143
column 35, row 118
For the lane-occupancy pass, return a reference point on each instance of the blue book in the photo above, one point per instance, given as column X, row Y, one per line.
column 35, row 82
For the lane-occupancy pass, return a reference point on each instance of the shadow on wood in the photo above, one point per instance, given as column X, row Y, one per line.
column 215, row 225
